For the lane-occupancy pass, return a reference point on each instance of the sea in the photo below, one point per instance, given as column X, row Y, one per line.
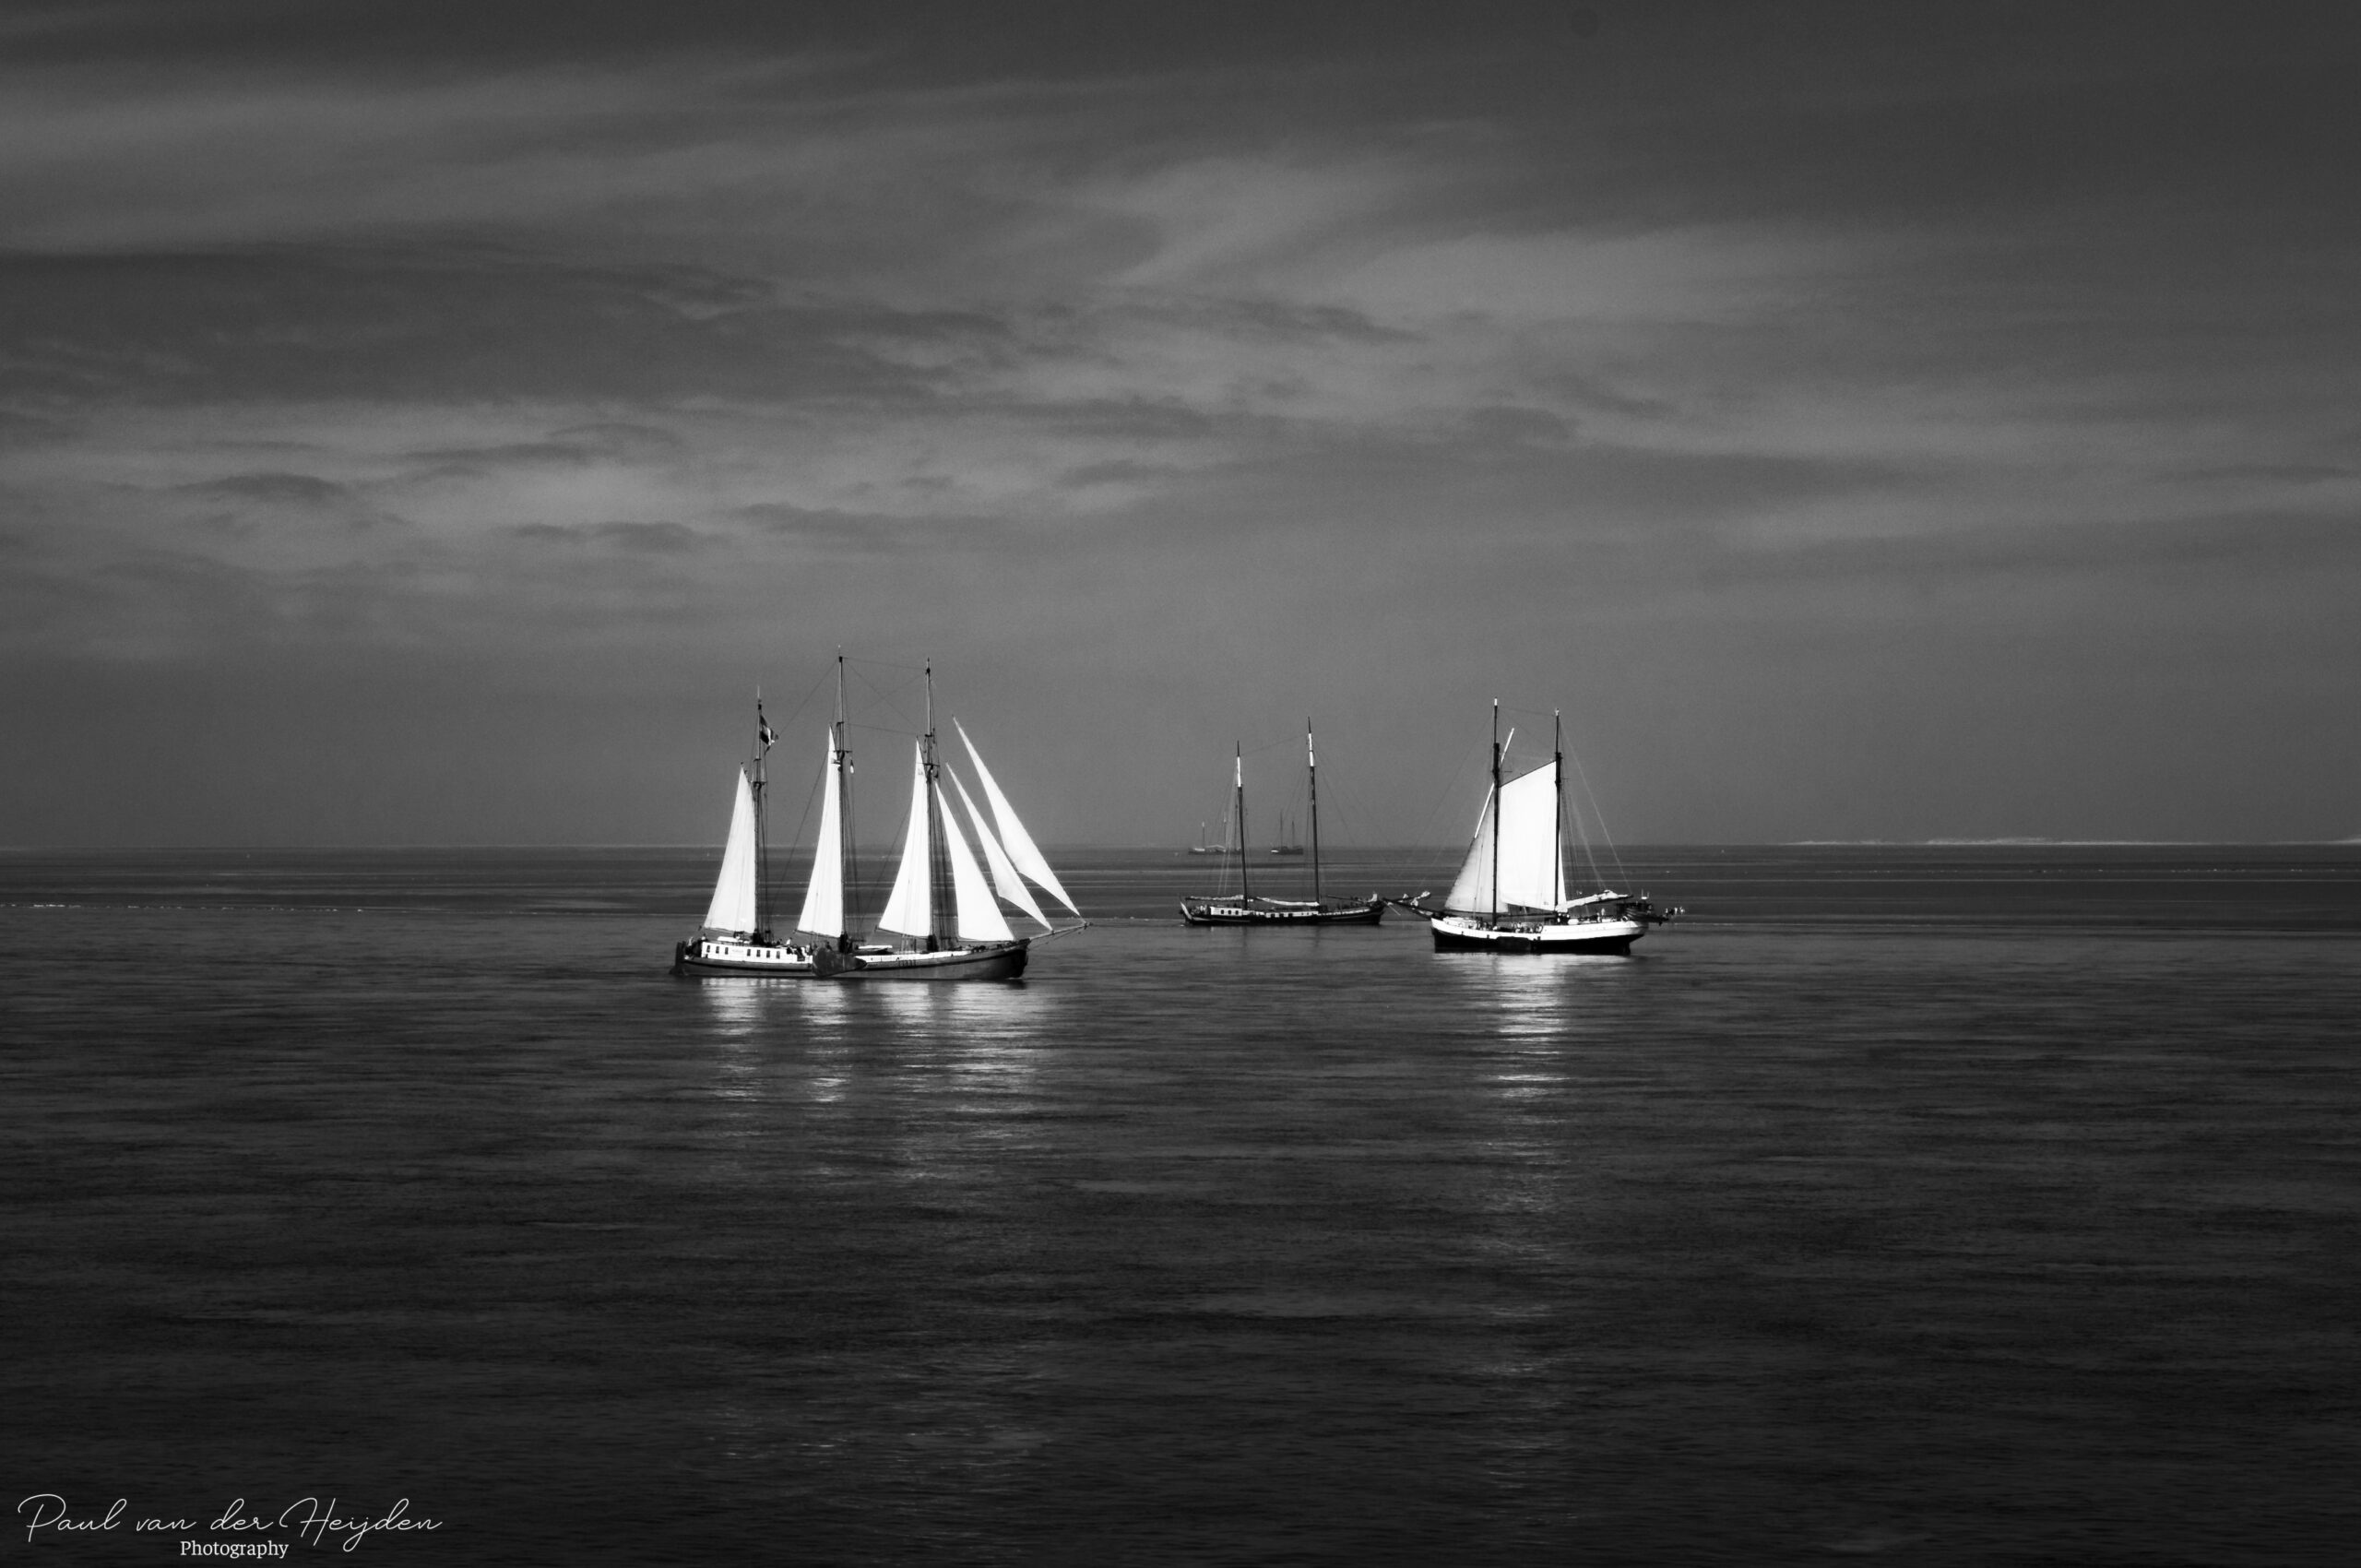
column 1939, row 1204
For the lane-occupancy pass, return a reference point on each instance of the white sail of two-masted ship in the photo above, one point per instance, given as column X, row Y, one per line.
column 1511, row 895
column 943, row 920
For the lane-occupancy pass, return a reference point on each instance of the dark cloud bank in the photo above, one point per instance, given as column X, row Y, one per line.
column 1864, row 422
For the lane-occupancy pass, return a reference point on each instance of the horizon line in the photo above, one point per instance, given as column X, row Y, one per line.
column 889, row 846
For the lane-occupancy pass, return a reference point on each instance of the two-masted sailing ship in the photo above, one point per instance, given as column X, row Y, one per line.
column 942, row 920
column 1247, row 907
column 1511, row 894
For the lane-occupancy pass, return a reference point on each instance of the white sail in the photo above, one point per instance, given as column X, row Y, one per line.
column 1527, row 825
column 1005, row 881
column 824, row 901
column 979, row 918
column 1530, row 873
column 1013, row 837
column 910, row 910
column 731, row 913
column 1471, row 891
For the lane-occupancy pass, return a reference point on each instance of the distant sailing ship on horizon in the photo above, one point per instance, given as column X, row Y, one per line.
column 1286, row 843
column 942, row 902
column 1246, row 909
column 1509, row 895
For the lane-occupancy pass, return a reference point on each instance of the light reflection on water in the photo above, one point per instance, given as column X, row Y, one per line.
column 742, row 1005
column 1197, row 1246
column 1524, row 996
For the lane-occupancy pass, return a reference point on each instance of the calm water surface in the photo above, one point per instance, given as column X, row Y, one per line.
column 1952, row 1207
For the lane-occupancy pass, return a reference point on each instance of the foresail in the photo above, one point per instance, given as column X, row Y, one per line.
column 1013, row 837
column 824, row 901
column 1471, row 891
column 1005, row 881
column 911, row 908
column 979, row 918
column 731, row 913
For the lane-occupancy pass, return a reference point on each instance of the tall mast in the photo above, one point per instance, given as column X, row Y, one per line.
column 844, row 809
column 1312, row 787
column 938, row 853
column 1558, row 822
column 1496, row 811
column 1237, row 775
column 762, row 838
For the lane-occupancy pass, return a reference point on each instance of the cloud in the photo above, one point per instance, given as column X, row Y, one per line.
column 1149, row 356
column 661, row 539
column 2209, row 550
column 827, row 531
column 1683, row 273
column 275, row 489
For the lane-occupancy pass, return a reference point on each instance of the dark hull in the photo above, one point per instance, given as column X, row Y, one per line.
column 999, row 961
column 1616, row 941
column 1257, row 912
column 1452, row 942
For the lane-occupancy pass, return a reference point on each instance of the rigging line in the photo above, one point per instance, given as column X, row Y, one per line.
column 808, row 796
column 1347, row 840
column 1272, row 745
column 1581, row 834
column 1600, row 816
column 854, row 665
column 1419, row 856
column 784, row 725
column 885, row 700
column 1348, row 804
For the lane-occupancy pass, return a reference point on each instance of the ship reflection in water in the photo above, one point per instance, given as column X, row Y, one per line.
column 1902, row 1197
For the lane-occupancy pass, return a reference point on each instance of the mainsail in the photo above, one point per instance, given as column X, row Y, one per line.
column 1526, row 824
column 910, row 909
column 731, row 913
column 823, row 901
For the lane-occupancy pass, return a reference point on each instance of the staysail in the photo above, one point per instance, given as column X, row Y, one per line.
column 1005, row 881
column 731, row 913
column 976, row 914
column 1013, row 837
column 979, row 918
column 1526, row 823
column 824, row 901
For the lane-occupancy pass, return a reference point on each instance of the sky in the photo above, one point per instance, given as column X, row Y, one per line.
column 428, row 423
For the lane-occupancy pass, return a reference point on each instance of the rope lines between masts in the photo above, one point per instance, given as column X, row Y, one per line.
column 1600, row 817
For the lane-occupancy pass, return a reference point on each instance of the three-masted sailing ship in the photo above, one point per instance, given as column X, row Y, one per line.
column 943, row 920
column 1247, row 909
column 1511, row 894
